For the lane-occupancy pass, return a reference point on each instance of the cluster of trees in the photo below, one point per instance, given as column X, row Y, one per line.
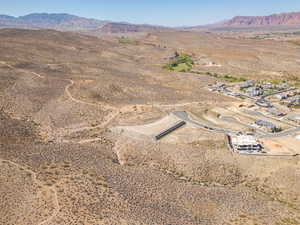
column 182, row 63
column 227, row 78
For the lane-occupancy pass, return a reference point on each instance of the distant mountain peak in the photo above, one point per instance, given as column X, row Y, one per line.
column 283, row 19
column 57, row 21
column 7, row 17
column 54, row 18
column 44, row 16
column 67, row 22
column 123, row 27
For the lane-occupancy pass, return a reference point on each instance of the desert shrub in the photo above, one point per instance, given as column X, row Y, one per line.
column 294, row 43
column 127, row 41
column 227, row 78
column 275, row 82
column 293, row 81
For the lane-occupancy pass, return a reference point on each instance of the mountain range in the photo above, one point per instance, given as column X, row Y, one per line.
column 63, row 22
column 67, row 22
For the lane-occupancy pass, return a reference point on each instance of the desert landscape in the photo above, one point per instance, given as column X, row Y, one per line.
column 86, row 126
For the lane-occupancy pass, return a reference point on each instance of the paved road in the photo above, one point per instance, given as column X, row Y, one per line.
column 281, row 134
column 185, row 117
column 256, row 113
column 234, row 120
column 241, row 95
column 279, row 92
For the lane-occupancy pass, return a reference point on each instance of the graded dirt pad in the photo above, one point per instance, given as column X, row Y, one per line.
column 189, row 133
column 61, row 161
column 278, row 146
column 150, row 130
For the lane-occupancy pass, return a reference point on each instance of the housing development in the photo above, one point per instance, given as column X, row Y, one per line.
column 270, row 111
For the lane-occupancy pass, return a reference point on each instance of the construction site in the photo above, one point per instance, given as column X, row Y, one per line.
column 258, row 123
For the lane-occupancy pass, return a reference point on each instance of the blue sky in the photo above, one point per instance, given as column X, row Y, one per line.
column 164, row 12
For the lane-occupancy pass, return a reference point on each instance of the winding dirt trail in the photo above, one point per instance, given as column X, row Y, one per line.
column 67, row 91
column 5, row 64
column 110, row 117
column 22, row 70
column 107, row 120
column 66, row 88
column 35, row 180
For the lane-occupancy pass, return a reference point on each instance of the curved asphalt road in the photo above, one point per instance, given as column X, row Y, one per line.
column 183, row 115
column 234, row 120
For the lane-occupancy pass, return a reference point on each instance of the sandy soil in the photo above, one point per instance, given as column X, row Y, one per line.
column 279, row 146
column 63, row 96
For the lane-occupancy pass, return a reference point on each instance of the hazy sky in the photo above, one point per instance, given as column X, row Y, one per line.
column 164, row 12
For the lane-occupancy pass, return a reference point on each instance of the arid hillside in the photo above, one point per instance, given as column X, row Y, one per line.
column 77, row 116
column 238, row 56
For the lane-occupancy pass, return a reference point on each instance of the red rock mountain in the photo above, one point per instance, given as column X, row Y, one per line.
column 284, row 19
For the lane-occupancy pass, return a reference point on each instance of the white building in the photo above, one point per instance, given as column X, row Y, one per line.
column 246, row 142
column 281, row 96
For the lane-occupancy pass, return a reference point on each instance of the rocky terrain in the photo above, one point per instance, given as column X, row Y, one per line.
column 284, row 19
column 63, row 160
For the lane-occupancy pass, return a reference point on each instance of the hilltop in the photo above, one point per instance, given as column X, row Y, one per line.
column 284, row 19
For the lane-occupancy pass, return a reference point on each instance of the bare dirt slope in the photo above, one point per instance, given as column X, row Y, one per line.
column 61, row 95
column 253, row 58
